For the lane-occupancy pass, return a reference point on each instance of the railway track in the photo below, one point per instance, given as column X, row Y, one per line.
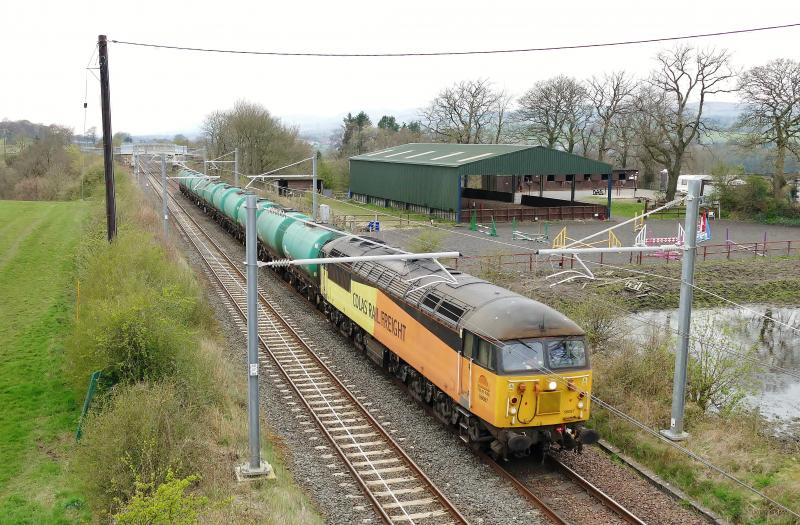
column 398, row 489
column 562, row 494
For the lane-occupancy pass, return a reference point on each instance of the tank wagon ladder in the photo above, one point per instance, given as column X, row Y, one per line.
column 398, row 489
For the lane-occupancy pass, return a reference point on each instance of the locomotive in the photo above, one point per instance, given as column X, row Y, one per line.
column 511, row 374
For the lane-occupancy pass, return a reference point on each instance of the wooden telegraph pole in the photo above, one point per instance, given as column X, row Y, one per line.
column 108, row 159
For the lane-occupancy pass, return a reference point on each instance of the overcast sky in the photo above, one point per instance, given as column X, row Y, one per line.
column 46, row 46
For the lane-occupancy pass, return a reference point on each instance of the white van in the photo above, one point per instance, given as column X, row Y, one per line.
column 683, row 183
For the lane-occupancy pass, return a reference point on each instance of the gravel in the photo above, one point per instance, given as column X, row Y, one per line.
column 480, row 494
column 636, row 494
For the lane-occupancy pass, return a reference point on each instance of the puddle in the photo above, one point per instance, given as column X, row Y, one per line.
column 773, row 344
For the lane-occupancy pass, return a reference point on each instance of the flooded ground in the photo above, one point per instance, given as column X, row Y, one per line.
column 772, row 342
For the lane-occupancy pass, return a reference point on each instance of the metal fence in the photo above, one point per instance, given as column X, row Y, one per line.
column 529, row 261
column 541, row 213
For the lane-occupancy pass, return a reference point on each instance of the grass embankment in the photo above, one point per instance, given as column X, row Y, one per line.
column 636, row 377
column 773, row 281
column 171, row 400
column 38, row 411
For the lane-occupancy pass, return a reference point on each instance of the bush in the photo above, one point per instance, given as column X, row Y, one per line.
column 602, row 324
column 636, row 370
column 143, row 432
column 167, row 505
column 754, row 200
column 721, row 371
column 139, row 314
column 428, row 240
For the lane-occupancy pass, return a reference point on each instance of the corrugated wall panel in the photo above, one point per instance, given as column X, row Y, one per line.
column 433, row 186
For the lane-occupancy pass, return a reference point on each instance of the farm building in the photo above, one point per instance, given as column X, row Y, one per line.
column 451, row 180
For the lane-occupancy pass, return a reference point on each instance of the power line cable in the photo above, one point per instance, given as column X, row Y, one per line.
column 458, row 53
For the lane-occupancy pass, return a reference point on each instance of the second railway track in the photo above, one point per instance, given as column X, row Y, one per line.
column 398, row 489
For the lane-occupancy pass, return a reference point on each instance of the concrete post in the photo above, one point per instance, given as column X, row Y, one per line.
column 165, row 195
column 314, row 187
column 675, row 431
column 255, row 467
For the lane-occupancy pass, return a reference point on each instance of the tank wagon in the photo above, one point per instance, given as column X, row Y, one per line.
column 511, row 374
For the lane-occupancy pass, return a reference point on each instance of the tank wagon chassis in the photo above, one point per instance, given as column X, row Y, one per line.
column 500, row 443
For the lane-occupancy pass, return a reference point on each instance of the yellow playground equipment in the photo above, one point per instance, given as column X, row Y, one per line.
column 562, row 240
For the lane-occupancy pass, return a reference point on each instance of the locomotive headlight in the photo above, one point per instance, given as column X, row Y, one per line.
column 580, row 404
column 513, row 410
column 552, row 385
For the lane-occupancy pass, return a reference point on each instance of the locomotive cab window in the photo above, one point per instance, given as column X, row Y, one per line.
column 521, row 357
column 566, row 353
column 526, row 356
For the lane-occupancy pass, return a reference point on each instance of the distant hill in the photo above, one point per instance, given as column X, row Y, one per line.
column 722, row 113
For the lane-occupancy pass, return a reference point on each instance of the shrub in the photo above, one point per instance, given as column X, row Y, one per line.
column 139, row 314
column 721, row 371
column 636, row 370
column 143, row 432
column 602, row 324
column 428, row 240
column 167, row 505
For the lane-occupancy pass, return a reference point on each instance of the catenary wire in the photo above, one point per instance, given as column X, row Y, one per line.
column 459, row 53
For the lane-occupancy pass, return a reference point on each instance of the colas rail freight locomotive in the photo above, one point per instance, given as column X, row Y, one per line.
column 512, row 374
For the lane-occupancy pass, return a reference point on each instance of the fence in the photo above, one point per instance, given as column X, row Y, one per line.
column 542, row 213
column 529, row 261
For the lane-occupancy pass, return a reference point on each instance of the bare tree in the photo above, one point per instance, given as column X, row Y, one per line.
column 554, row 112
column 771, row 94
column 469, row 112
column 264, row 142
column 610, row 96
column 666, row 122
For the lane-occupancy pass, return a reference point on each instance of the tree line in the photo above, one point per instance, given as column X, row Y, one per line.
column 655, row 121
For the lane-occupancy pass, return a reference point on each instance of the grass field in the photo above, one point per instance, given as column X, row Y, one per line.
column 37, row 410
column 620, row 209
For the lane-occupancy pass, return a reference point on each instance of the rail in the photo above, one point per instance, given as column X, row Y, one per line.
column 398, row 489
column 554, row 515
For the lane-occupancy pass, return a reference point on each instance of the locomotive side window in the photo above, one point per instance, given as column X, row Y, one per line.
column 339, row 275
column 469, row 345
column 485, row 356
column 482, row 352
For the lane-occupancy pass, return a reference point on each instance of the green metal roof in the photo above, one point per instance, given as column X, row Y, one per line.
column 440, row 154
